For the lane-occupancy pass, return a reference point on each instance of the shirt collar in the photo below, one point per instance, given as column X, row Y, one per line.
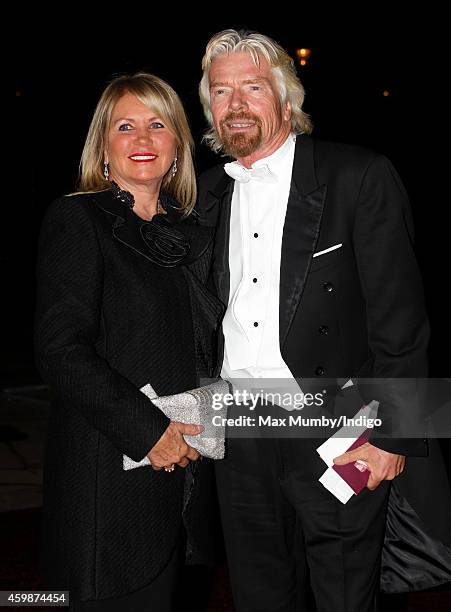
column 276, row 161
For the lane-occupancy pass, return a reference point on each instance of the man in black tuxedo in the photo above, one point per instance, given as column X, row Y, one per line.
column 314, row 261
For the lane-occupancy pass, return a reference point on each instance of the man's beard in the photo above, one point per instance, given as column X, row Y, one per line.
column 240, row 144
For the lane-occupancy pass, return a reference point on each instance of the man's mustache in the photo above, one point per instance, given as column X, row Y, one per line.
column 240, row 117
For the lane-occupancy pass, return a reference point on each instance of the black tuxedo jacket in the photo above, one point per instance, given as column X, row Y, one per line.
column 108, row 322
column 355, row 311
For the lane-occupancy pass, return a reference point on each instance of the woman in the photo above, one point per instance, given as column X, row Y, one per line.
column 122, row 303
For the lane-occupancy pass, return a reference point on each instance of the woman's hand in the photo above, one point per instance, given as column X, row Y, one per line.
column 171, row 448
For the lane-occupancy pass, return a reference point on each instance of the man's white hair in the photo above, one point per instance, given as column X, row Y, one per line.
column 282, row 66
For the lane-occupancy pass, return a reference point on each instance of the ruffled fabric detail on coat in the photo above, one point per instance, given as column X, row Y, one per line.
column 169, row 239
column 166, row 246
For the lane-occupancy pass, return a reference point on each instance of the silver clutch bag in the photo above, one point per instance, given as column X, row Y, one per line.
column 191, row 407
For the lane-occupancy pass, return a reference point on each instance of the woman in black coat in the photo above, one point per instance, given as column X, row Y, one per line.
column 122, row 303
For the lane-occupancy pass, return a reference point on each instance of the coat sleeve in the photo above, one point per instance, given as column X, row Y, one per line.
column 398, row 329
column 68, row 329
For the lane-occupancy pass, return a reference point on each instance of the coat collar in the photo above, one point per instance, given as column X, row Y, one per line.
column 300, row 233
column 126, row 227
column 216, row 209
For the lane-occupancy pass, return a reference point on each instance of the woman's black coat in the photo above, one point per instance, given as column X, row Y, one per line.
column 109, row 321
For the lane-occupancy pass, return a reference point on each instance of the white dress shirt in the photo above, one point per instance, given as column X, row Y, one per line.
column 251, row 321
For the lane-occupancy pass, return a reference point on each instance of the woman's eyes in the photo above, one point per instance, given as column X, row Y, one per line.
column 126, row 127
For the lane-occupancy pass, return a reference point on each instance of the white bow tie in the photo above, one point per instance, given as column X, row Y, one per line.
column 244, row 175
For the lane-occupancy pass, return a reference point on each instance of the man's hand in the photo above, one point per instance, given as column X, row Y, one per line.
column 382, row 465
column 171, row 448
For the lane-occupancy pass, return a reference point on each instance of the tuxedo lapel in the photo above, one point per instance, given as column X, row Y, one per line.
column 300, row 232
column 220, row 201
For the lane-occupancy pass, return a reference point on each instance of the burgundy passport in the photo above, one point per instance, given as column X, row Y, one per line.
column 354, row 474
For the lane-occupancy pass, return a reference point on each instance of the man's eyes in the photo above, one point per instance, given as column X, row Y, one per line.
column 222, row 92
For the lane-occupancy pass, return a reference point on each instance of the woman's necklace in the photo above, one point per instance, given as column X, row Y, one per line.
column 160, row 209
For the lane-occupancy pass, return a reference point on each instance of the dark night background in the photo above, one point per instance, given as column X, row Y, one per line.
column 61, row 71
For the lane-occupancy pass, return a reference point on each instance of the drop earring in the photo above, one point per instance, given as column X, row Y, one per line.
column 174, row 167
column 106, row 172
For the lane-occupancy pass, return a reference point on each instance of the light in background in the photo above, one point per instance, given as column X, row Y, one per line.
column 303, row 55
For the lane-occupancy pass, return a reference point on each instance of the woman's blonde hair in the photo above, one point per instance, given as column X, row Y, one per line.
column 161, row 98
column 290, row 87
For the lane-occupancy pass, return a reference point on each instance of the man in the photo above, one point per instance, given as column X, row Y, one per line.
column 304, row 261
